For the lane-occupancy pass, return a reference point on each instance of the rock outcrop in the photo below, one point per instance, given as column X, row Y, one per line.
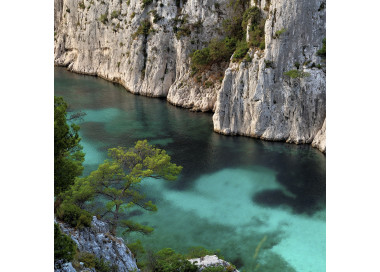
column 320, row 139
column 212, row 261
column 257, row 99
column 98, row 241
column 147, row 47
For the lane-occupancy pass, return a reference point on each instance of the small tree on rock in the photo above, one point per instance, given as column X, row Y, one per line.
column 118, row 179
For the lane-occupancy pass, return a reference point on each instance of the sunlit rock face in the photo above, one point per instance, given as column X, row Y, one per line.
column 211, row 261
column 153, row 64
column 257, row 99
column 98, row 241
column 253, row 98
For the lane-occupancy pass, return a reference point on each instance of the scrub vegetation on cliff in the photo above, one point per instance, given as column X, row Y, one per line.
column 236, row 43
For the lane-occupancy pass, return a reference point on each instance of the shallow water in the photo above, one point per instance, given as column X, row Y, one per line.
column 261, row 203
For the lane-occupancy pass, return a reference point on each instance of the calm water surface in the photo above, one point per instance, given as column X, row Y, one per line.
column 261, row 203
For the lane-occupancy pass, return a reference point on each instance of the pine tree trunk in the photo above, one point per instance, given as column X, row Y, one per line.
column 115, row 220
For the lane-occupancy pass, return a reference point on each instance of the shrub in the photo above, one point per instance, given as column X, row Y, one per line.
column 322, row 52
column 183, row 31
column 81, row 5
column 115, row 14
column 64, row 247
column 232, row 27
column 68, row 10
column 74, row 216
column 143, row 29
column 146, row 3
column 253, row 14
column 241, row 50
column 296, row 74
column 91, row 261
column 103, row 18
column 279, row 32
column 199, row 251
column 201, row 57
column 167, row 260
column 219, row 268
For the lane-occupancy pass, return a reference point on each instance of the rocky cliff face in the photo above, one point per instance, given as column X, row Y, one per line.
column 257, row 99
column 146, row 48
column 98, row 241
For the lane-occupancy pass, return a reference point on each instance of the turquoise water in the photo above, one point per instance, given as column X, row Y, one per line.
column 261, row 203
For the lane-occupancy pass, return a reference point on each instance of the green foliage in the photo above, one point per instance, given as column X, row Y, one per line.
column 103, row 18
column 67, row 10
column 220, row 268
column 279, row 32
column 136, row 248
column 143, row 29
column 183, row 31
column 322, row 52
column 232, row 27
column 296, row 74
column 115, row 14
column 216, row 51
column 91, row 261
column 252, row 14
column 268, row 64
column 241, row 50
column 167, row 260
column 130, row 226
column 81, row 5
column 146, row 3
column 201, row 58
column 64, row 247
column 199, row 251
column 73, row 215
column 118, row 178
column 68, row 155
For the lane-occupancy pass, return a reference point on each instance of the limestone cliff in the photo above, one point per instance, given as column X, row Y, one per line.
column 257, row 99
column 146, row 48
column 98, row 241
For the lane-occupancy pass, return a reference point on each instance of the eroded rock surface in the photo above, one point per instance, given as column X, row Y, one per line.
column 257, row 99
column 98, row 241
column 211, row 261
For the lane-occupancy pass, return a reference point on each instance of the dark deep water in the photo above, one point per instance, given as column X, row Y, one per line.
column 233, row 191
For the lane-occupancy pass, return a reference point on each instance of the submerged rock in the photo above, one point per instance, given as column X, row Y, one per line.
column 98, row 241
column 211, row 260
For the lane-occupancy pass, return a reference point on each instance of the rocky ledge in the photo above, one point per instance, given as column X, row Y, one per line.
column 98, row 241
column 212, row 261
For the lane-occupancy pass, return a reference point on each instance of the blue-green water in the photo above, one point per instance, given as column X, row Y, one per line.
column 233, row 192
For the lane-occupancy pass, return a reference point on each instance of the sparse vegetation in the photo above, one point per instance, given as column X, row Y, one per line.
column 216, row 51
column 81, row 5
column 268, row 64
column 279, row 32
column 115, row 14
column 64, row 247
column 143, row 29
column 322, row 52
column 167, row 260
column 296, row 74
column 146, row 3
column 241, row 50
column 103, row 18
column 91, row 261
